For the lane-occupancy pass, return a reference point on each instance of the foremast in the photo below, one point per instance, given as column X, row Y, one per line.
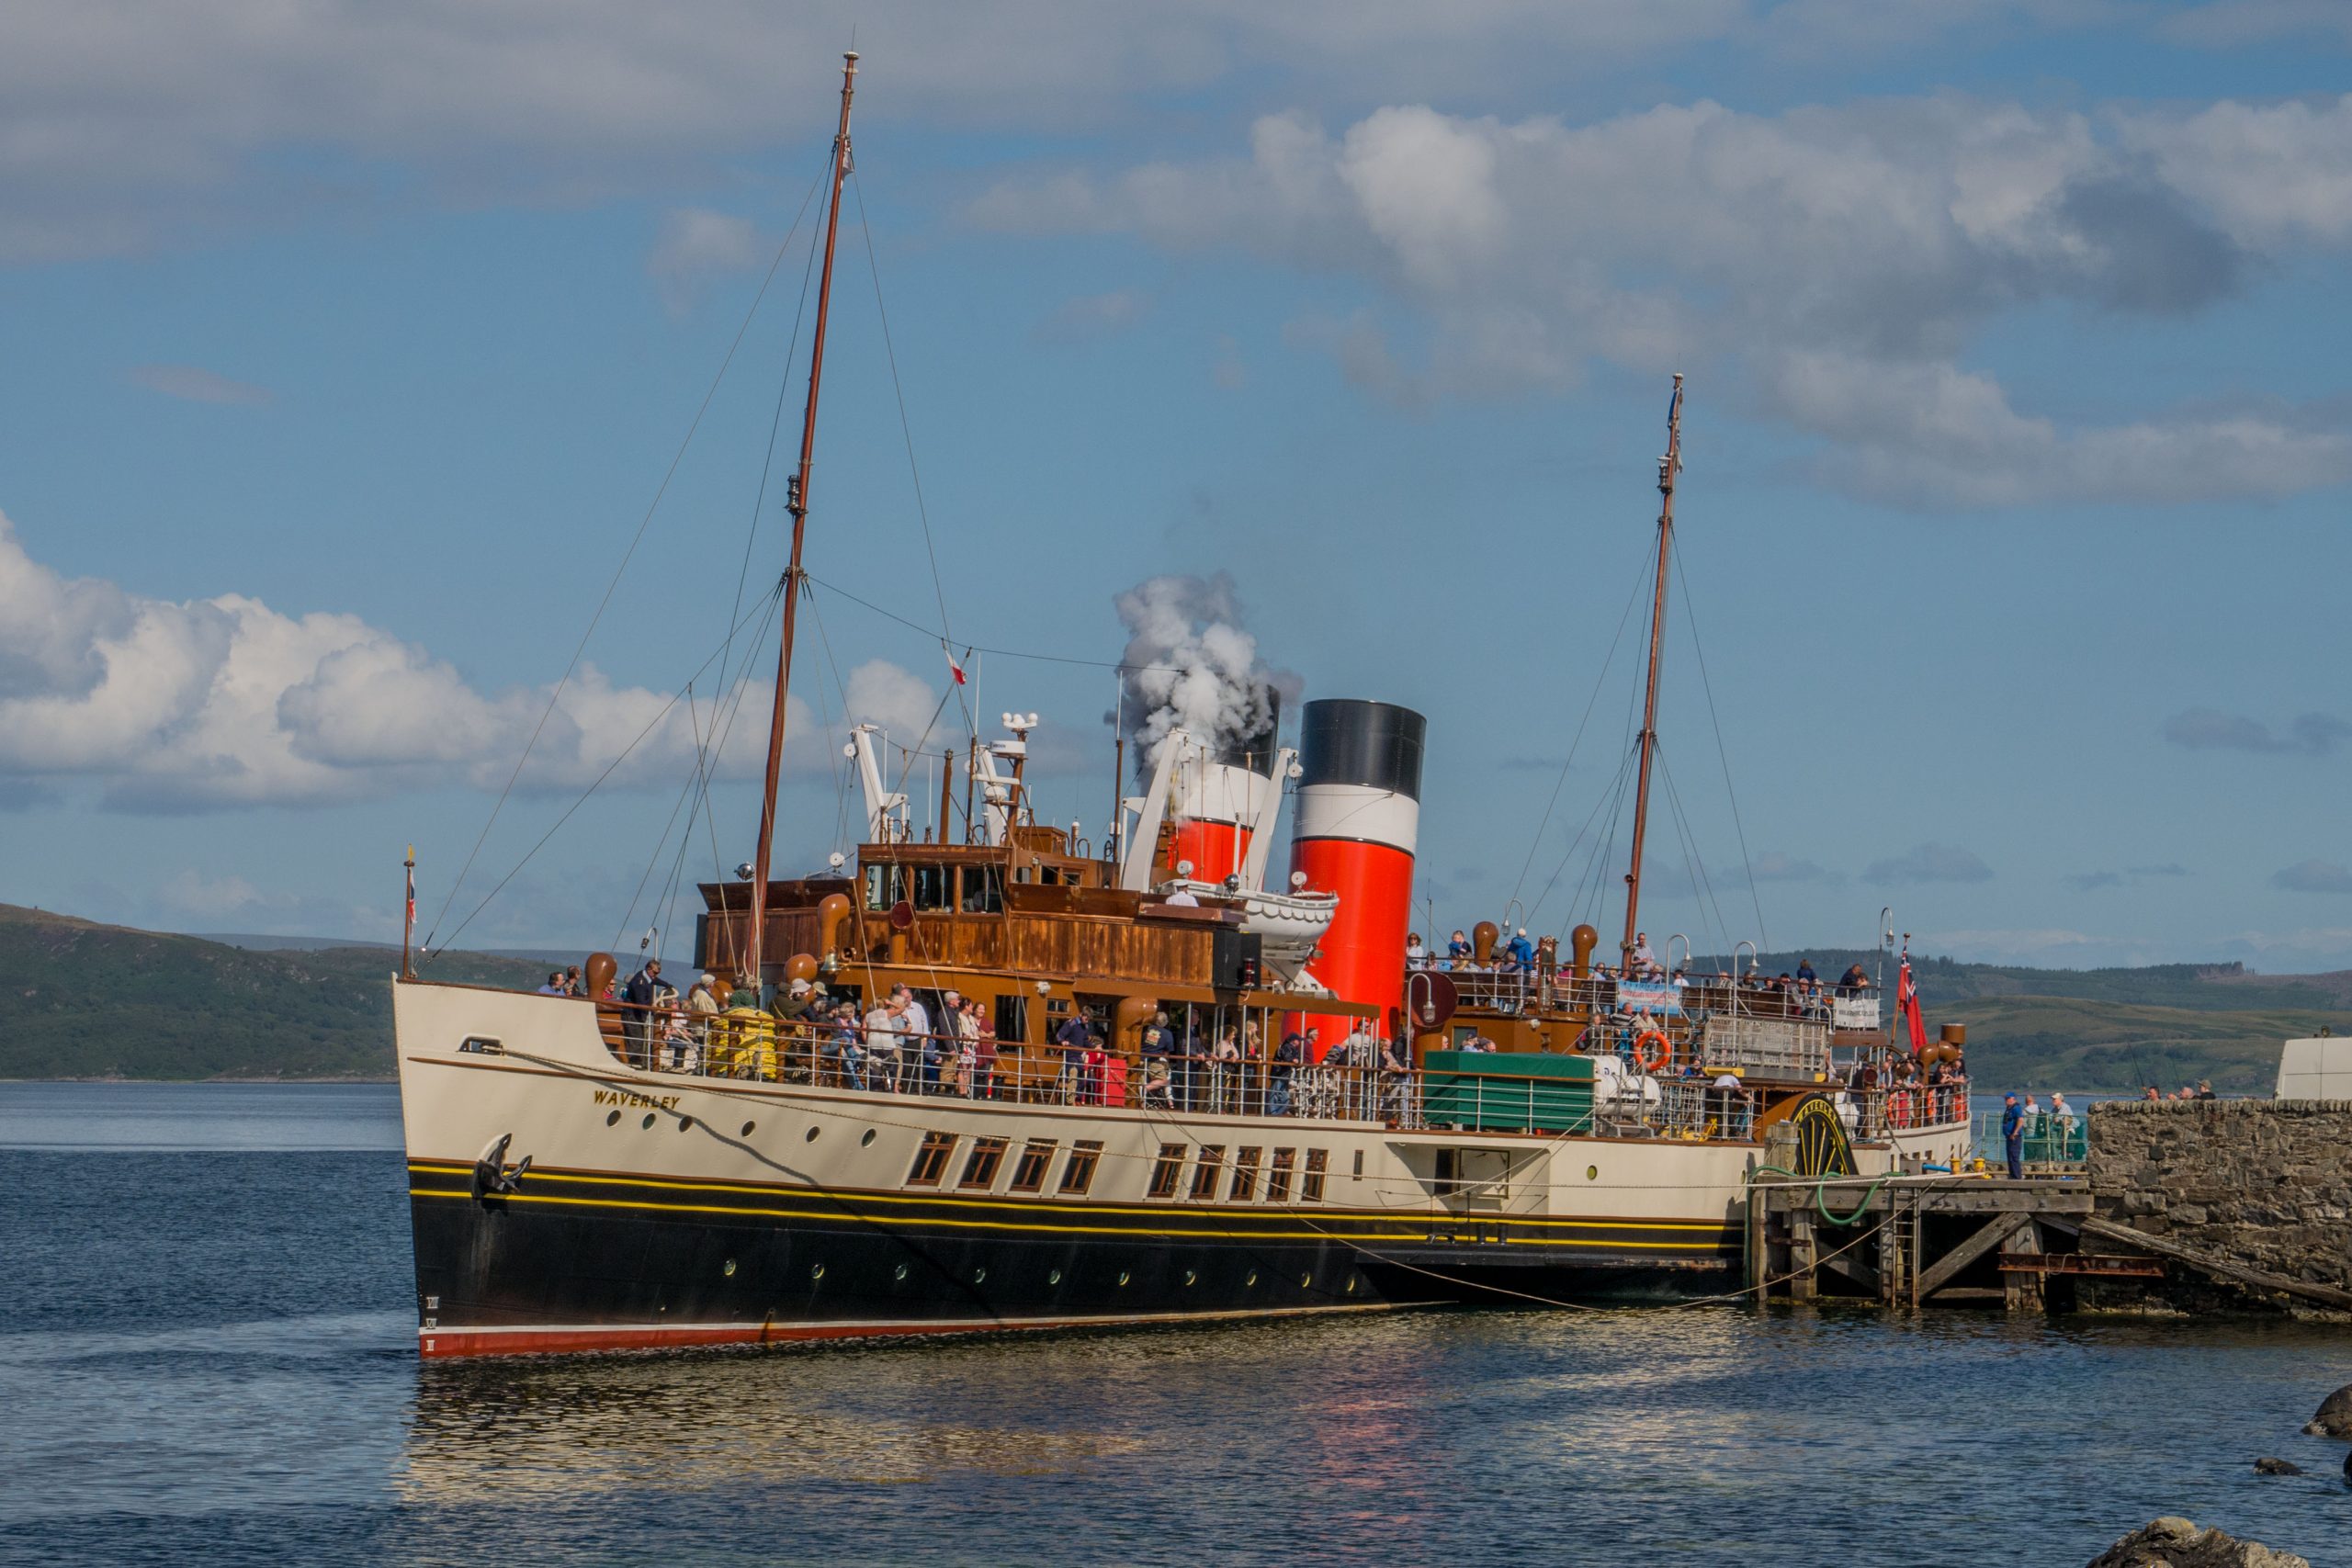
column 796, row 503
column 1667, row 467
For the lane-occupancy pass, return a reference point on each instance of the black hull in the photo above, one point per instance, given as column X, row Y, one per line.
column 578, row 1261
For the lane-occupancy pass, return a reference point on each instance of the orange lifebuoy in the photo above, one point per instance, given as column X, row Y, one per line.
column 1642, row 1055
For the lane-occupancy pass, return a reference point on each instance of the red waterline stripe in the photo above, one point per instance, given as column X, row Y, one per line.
column 436, row 1343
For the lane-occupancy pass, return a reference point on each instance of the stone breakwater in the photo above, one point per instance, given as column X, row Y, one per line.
column 2264, row 1184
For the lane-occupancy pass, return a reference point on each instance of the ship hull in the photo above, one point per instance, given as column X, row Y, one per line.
column 662, row 1210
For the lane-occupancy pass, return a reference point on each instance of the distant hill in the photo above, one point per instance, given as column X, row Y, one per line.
column 263, row 942
column 80, row 999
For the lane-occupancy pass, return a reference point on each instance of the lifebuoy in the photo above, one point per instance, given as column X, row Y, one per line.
column 1644, row 1059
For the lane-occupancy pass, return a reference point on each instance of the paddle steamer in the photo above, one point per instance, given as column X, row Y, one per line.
column 587, row 1178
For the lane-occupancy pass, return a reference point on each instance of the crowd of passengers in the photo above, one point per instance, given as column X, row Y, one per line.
column 722, row 1028
column 1802, row 990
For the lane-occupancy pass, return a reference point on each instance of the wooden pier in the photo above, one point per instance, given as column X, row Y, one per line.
column 1927, row 1240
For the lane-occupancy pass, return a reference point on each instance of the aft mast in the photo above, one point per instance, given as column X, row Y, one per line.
column 1667, row 467
column 796, row 503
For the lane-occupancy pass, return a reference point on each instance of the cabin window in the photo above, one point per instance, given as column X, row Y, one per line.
column 1029, row 1170
column 979, row 1170
column 1078, row 1175
column 1245, row 1176
column 1310, row 1186
column 931, row 1160
column 482, row 1044
column 885, row 885
column 983, row 890
column 1359, row 1164
column 1277, row 1176
column 1011, row 1019
column 934, row 887
column 1204, row 1174
column 1166, row 1169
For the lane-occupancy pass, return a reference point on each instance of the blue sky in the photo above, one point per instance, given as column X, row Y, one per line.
column 345, row 350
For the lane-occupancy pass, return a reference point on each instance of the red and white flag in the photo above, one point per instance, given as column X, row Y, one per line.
column 1907, row 1002
column 953, row 667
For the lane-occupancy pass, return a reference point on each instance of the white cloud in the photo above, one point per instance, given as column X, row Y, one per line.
column 1838, row 258
column 179, row 705
column 194, row 384
column 2313, row 877
column 697, row 247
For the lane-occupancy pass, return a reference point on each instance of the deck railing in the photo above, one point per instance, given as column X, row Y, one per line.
column 756, row 1047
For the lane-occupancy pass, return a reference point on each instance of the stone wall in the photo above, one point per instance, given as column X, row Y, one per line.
column 2264, row 1183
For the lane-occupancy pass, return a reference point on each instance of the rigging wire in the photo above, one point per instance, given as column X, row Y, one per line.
column 650, row 725
column 1600, row 681
column 611, row 588
column 906, row 430
column 1690, row 620
column 836, row 588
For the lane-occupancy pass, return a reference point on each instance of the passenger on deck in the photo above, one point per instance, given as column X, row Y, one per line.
column 1072, row 1039
column 1181, row 898
column 1458, row 947
column 882, row 1027
column 1681, row 981
column 1642, row 957
column 637, row 1012
column 1295, row 1049
column 1804, row 971
column 702, row 1006
column 843, row 1053
column 1853, row 980
column 1156, row 1093
column 1522, row 951
column 554, row 987
column 1416, row 953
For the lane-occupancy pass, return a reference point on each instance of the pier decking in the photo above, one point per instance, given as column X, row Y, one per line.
column 1912, row 1241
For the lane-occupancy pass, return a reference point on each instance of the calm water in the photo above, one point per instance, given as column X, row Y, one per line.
column 206, row 1356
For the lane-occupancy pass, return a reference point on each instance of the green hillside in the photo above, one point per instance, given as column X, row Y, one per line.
column 79, row 999
column 2068, row 1043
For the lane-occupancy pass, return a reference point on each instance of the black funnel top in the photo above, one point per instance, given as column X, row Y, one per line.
column 1346, row 740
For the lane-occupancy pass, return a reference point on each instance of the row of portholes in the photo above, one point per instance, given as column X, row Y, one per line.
column 685, row 1123
column 1054, row 1276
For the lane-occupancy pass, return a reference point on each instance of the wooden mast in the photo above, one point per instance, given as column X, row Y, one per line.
column 796, row 503
column 1666, row 465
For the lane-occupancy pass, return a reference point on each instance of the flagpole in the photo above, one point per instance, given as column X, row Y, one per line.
column 408, row 922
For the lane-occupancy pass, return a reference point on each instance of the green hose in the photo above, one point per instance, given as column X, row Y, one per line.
column 1821, row 1193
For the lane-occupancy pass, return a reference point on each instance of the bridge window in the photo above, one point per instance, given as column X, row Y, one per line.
column 1078, row 1175
column 934, row 887
column 1277, row 1176
column 1029, row 1170
column 885, row 885
column 979, row 1170
column 983, row 890
column 1310, row 1186
column 931, row 1160
column 1206, row 1172
column 1245, row 1176
column 1166, row 1169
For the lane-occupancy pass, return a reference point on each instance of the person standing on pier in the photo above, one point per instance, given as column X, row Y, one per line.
column 2012, row 1134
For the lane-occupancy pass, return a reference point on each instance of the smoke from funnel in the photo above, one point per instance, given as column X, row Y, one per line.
column 1192, row 666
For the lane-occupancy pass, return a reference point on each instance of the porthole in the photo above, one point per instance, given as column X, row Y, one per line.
column 816, row 1270
column 612, row 1118
column 1123, row 1276
column 1254, row 1278
column 1052, row 1276
column 649, row 1120
column 746, row 1129
column 978, row 1275
column 867, row 1140
column 811, row 1137
column 727, row 1268
column 1592, row 1173
column 685, row 1123
column 1190, row 1277
column 899, row 1272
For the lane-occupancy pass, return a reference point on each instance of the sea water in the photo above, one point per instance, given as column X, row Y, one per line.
column 207, row 1354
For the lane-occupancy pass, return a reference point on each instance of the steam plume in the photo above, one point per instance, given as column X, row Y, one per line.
column 1191, row 665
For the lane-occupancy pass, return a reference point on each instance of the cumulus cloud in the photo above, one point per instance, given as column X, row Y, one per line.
column 194, row 384
column 181, row 706
column 1930, row 862
column 2313, row 877
column 696, row 246
column 2211, row 730
column 1775, row 866
column 1850, row 253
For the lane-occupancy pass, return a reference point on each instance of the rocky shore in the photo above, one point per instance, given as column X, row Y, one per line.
column 2174, row 1542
